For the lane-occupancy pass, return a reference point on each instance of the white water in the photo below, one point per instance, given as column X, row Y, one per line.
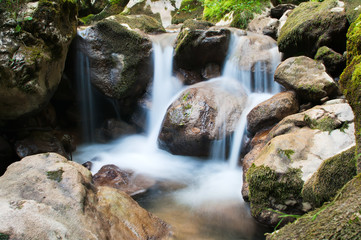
column 212, row 185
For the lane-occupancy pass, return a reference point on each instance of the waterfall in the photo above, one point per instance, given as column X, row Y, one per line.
column 85, row 95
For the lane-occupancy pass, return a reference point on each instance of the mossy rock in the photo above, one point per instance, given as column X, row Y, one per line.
column 331, row 176
column 267, row 188
column 353, row 9
column 145, row 23
column 312, row 25
column 334, row 62
column 189, row 9
column 196, row 24
column 350, row 80
column 340, row 219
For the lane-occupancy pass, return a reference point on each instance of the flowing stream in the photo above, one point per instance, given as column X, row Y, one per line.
column 200, row 198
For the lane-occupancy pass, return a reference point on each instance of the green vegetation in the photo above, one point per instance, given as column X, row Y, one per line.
column 189, row 9
column 243, row 10
column 55, row 175
column 13, row 8
column 4, row 236
column 325, row 124
column 287, row 152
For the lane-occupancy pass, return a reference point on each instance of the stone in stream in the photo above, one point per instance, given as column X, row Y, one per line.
column 290, row 154
column 32, row 53
column 200, row 114
column 307, row 77
column 125, row 180
column 47, row 197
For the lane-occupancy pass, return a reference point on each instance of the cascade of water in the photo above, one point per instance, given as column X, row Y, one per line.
column 85, row 95
column 164, row 84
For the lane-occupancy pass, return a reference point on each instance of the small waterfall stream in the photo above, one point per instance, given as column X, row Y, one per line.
column 203, row 198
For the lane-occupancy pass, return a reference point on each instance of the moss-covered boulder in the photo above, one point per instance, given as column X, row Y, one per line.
column 34, row 43
column 339, row 219
column 298, row 145
column 350, row 80
column 334, row 62
column 198, row 46
column 331, row 176
column 307, row 77
column 189, row 9
column 144, row 23
column 312, row 25
column 120, row 60
column 99, row 9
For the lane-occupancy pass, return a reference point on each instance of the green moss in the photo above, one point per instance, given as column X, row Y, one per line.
column 331, row 176
column 265, row 183
column 324, row 124
column 4, row 236
column 55, row 175
column 286, row 152
column 179, row 116
column 189, row 9
column 243, row 11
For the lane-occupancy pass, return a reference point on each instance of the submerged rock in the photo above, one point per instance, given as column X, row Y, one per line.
column 291, row 153
column 125, row 180
column 307, row 78
column 271, row 111
column 32, row 53
column 204, row 112
column 47, row 197
column 339, row 219
column 312, row 25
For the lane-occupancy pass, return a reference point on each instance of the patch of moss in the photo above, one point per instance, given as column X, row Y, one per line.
column 265, row 183
column 331, row 176
column 4, row 236
column 324, row 124
column 286, row 152
column 180, row 115
column 55, row 175
column 189, row 9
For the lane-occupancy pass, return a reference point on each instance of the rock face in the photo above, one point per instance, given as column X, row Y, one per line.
column 350, row 80
column 331, row 176
column 124, row 180
column 336, row 220
column 32, row 53
column 271, row 111
column 47, row 197
column 334, row 62
column 120, row 60
column 312, row 25
column 199, row 115
column 196, row 48
column 291, row 153
column 307, row 78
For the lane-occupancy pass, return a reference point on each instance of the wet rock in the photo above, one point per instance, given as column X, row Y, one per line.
column 120, row 61
column 60, row 196
column 307, row 78
column 39, row 142
column 279, row 10
column 196, row 48
column 264, row 25
column 292, row 152
column 125, row 180
column 271, row 111
column 198, row 116
column 338, row 219
column 334, row 62
column 113, row 129
column 32, row 54
column 312, row 25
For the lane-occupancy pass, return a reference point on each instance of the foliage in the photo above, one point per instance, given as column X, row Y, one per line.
column 2, row 235
column 243, row 10
column 286, row 152
column 13, row 7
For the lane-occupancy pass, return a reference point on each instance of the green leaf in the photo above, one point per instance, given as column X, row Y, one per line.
column 28, row 18
column 17, row 28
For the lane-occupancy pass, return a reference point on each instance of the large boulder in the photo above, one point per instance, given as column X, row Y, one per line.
column 47, row 197
column 307, row 77
column 205, row 112
column 339, row 219
column 312, row 25
column 197, row 47
column 33, row 49
column 291, row 153
column 271, row 111
column 120, row 60
column 350, row 79
column 331, row 176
